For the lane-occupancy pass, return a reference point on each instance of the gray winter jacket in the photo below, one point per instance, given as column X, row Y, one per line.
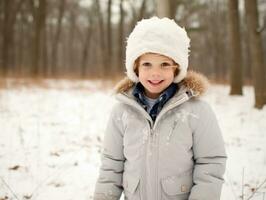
column 180, row 156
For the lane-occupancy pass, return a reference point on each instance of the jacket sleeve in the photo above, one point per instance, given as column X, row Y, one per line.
column 209, row 155
column 109, row 183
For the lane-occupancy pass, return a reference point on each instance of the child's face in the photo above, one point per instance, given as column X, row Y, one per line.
column 156, row 73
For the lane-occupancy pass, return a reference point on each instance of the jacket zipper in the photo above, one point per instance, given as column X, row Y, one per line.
column 154, row 158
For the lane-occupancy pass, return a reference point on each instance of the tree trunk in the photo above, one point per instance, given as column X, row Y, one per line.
column 71, row 38
column 7, row 37
column 87, row 42
column 109, row 38
column 173, row 4
column 139, row 16
column 256, row 53
column 217, row 29
column 57, row 37
column 121, row 38
column 163, row 8
column 39, row 14
column 234, row 44
column 102, row 70
column 9, row 19
column 44, row 63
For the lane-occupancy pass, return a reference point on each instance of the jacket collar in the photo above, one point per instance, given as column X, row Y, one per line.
column 193, row 85
column 138, row 93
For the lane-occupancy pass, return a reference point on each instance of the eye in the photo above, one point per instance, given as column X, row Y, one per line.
column 165, row 64
column 146, row 64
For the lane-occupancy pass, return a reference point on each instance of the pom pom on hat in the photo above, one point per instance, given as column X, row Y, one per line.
column 158, row 35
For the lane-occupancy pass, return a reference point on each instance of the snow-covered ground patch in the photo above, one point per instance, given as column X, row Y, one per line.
column 50, row 140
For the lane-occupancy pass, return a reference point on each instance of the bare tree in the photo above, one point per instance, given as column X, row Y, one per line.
column 217, row 36
column 10, row 10
column 163, row 8
column 256, row 52
column 102, row 41
column 72, row 36
column 62, row 5
column 235, row 46
column 87, row 42
column 109, row 36
column 137, row 15
column 6, row 35
column 121, row 37
column 39, row 15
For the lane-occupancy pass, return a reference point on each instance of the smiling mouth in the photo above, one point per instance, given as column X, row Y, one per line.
column 155, row 82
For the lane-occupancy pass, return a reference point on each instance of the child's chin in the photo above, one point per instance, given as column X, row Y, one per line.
column 155, row 91
column 155, row 86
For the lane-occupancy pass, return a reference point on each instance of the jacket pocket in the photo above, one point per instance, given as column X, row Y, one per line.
column 176, row 187
column 131, row 187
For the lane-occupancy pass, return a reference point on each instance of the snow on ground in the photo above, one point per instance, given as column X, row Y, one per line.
column 50, row 140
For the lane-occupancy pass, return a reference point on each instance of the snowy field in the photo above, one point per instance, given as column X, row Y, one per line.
column 50, row 139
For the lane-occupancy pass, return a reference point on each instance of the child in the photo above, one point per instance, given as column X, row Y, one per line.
column 162, row 141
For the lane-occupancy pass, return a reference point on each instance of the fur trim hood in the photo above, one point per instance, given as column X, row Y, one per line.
column 194, row 81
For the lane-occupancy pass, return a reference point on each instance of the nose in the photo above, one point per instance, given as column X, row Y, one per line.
column 155, row 72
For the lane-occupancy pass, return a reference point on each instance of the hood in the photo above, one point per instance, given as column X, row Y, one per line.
column 194, row 81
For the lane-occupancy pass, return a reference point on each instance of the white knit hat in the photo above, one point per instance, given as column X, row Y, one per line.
column 162, row 36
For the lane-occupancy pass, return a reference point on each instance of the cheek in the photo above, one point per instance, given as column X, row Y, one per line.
column 142, row 74
column 169, row 76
